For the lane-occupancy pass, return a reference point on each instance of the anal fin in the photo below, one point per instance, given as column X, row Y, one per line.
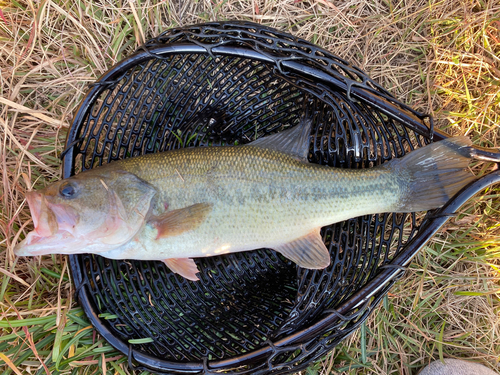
column 186, row 267
column 308, row 251
column 173, row 223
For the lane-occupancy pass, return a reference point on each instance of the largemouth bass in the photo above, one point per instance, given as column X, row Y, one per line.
column 199, row 202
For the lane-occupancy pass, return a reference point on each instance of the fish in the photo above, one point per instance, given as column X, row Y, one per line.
column 195, row 202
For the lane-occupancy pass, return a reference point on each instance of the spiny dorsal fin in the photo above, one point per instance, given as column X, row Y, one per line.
column 173, row 223
column 308, row 251
column 293, row 141
column 186, row 267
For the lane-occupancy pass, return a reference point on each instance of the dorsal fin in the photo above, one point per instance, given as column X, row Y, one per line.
column 293, row 141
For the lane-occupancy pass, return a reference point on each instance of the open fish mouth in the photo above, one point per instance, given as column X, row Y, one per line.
column 43, row 217
column 54, row 226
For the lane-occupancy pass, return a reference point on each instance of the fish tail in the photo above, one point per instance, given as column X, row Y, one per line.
column 433, row 174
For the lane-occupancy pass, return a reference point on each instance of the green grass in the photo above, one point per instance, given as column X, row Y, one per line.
column 442, row 58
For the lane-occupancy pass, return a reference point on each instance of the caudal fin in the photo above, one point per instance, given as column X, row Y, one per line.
column 433, row 174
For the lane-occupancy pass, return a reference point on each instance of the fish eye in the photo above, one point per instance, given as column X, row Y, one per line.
column 67, row 190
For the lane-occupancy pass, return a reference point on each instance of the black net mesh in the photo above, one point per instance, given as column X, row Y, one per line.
column 185, row 319
column 227, row 84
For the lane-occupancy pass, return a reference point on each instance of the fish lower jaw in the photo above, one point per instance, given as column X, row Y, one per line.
column 36, row 244
column 62, row 242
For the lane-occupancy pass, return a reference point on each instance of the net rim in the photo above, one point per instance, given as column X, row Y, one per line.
column 382, row 281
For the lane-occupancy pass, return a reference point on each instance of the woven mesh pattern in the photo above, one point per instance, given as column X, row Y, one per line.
column 227, row 84
column 145, row 299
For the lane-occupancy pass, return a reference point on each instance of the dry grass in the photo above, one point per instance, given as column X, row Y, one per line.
column 440, row 57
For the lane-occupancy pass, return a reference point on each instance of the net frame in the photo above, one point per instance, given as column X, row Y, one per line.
column 274, row 318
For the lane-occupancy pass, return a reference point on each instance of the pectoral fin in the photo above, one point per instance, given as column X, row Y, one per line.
column 185, row 267
column 308, row 251
column 173, row 223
